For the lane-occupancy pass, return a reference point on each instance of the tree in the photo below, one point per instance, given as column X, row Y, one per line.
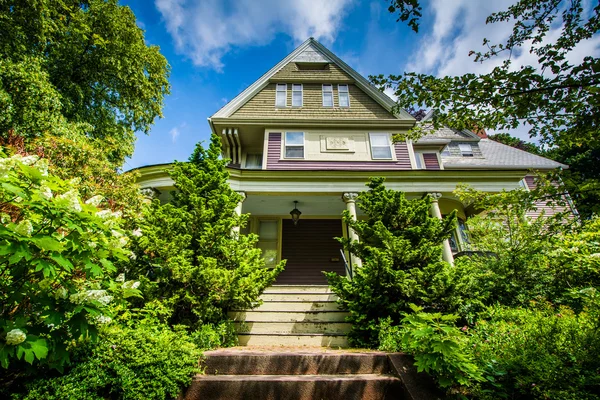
column 400, row 246
column 83, row 60
column 201, row 268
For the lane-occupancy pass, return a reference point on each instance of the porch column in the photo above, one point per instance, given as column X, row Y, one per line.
column 235, row 231
column 435, row 212
column 350, row 200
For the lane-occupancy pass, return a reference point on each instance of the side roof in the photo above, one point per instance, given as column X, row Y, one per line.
column 311, row 50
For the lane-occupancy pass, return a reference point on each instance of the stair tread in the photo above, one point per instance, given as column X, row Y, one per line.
column 319, row 377
column 290, row 334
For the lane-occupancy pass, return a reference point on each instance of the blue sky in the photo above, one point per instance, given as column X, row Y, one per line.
column 216, row 48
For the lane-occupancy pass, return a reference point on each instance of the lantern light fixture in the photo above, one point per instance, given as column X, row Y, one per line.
column 295, row 213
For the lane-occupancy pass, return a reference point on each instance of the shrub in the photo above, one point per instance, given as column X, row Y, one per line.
column 438, row 346
column 200, row 267
column 145, row 362
column 540, row 353
column 211, row 336
column 400, row 247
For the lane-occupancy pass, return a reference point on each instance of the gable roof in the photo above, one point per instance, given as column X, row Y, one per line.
column 311, row 51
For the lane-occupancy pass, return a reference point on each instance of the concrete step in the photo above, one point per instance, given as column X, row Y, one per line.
column 297, row 306
column 295, row 387
column 235, row 362
column 307, row 339
column 298, row 297
column 298, row 289
column 338, row 328
column 276, row 316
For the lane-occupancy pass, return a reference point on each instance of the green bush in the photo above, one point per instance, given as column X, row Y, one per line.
column 145, row 362
column 211, row 336
column 438, row 346
column 540, row 353
column 400, row 247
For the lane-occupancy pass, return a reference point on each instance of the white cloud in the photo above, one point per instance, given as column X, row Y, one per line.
column 176, row 131
column 206, row 30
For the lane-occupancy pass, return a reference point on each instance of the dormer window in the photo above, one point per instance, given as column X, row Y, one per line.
column 327, row 95
column 343, row 96
column 380, row 146
column 446, row 152
column 297, row 95
column 466, row 150
column 281, row 95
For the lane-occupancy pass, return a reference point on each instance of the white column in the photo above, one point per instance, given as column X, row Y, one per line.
column 235, row 231
column 435, row 212
column 350, row 200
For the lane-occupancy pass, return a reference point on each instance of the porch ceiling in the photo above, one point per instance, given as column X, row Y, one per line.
column 309, row 205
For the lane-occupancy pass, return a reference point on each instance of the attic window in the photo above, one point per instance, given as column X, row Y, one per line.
column 466, row 150
column 312, row 66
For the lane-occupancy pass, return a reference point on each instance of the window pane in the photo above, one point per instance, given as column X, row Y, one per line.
column 344, row 101
column 267, row 230
column 382, row 152
column 280, row 99
column 294, row 152
column 328, row 88
column 254, row 161
column 446, row 151
column 465, row 149
column 296, row 99
column 379, row 139
column 327, row 99
column 294, row 138
column 419, row 160
column 297, row 86
column 343, row 88
column 269, row 252
column 281, row 87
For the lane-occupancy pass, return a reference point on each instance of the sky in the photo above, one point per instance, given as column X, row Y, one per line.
column 217, row 48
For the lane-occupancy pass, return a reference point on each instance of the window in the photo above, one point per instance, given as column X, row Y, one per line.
column 419, row 162
column 268, row 235
column 294, row 145
column 380, row 146
column 343, row 96
column 446, row 152
column 296, row 95
column 327, row 95
column 254, row 161
column 466, row 150
column 281, row 95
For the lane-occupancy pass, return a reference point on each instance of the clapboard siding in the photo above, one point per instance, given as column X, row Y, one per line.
column 331, row 74
column 431, row 161
column 362, row 106
column 543, row 207
column 275, row 163
column 310, row 248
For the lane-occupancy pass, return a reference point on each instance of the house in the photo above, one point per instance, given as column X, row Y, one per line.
column 310, row 132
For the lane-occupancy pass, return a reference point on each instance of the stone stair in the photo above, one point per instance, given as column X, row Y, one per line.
column 293, row 315
column 296, row 375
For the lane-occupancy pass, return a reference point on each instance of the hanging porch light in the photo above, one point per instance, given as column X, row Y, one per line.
column 295, row 213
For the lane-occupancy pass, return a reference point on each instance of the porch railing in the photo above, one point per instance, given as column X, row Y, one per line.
column 346, row 265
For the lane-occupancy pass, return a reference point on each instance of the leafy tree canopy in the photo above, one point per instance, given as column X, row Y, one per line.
column 78, row 65
column 556, row 98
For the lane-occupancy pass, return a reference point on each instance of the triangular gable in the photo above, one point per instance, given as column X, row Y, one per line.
column 310, row 51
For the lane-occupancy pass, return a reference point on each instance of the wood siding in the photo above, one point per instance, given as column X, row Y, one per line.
column 431, row 161
column 543, row 206
column 275, row 163
column 310, row 248
column 331, row 74
column 362, row 106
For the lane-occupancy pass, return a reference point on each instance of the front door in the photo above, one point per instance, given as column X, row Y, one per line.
column 310, row 248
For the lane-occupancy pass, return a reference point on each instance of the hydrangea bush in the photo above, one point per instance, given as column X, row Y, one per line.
column 56, row 255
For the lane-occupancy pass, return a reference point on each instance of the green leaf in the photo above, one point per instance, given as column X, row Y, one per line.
column 62, row 261
column 39, row 348
column 47, row 243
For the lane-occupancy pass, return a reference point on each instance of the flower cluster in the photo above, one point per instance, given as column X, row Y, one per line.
column 15, row 337
column 87, row 296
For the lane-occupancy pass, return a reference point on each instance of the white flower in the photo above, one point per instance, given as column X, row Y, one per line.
column 131, row 285
column 102, row 319
column 91, row 295
column 120, row 278
column 104, row 214
column 95, row 201
column 137, row 232
column 61, row 293
column 123, row 241
column 72, row 196
column 24, row 228
column 15, row 337
column 29, row 160
column 46, row 193
column 42, row 166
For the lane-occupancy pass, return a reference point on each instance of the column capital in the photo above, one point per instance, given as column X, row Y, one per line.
column 435, row 196
column 243, row 194
column 150, row 193
column 349, row 197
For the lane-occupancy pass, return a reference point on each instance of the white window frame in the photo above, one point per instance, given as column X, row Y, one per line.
column 294, row 89
column 285, row 145
column 463, row 151
column 277, row 91
column 347, row 91
column 330, row 86
column 389, row 145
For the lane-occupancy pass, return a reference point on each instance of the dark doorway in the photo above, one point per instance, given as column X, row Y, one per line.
column 310, row 248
